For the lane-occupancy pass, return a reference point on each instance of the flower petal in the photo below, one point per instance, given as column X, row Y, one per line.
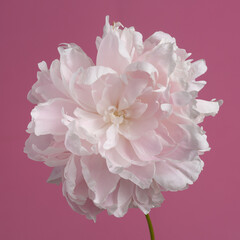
column 112, row 137
column 177, row 175
column 141, row 176
column 112, row 53
column 98, row 177
column 72, row 57
column 48, row 116
column 147, row 146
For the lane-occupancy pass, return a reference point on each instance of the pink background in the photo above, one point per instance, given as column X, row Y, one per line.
column 30, row 31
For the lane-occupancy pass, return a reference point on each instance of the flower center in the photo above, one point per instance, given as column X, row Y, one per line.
column 112, row 115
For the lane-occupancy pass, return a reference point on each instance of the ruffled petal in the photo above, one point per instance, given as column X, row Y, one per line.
column 133, row 89
column 206, row 108
column 148, row 146
column 98, row 178
column 76, row 190
column 44, row 88
column 134, row 129
column 72, row 57
column 146, row 199
column 79, row 141
column 112, row 53
column 157, row 38
column 177, row 175
column 120, row 200
column 141, row 176
column 46, row 149
column 47, row 117
column 163, row 58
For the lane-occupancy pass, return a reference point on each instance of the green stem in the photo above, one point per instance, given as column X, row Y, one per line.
column 150, row 226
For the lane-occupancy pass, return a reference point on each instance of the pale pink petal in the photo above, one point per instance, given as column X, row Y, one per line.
column 79, row 141
column 126, row 152
column 157, row 38
column 145, row 199
column 150, row 98
column 177, row 175
column 55, row 74
column 72, row 57
column 112, row 137
column 163, row 58
column 44, row 88
column 134, row 129
column 136, row 110
column 74, row 183
column 48, row 116
column 147, row 146
column 115, row 162
column 112, row 53
column 106, row 92
column 44, row 148
column 90, row 121
column 142, row 70
column 141, row 176
column 123, row 199
column 133, row 88
column 98, row 178
column 92, row 74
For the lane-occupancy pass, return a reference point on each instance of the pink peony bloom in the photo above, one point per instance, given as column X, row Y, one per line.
column 120, row 132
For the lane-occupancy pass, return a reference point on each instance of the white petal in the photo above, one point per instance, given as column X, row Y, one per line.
column 198, row 68
column 208, row 107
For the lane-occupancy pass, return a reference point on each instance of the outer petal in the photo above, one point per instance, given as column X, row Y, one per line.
column 120, row 200
column 76, row 191
column 79, row 141
column 98, row 178
column 45, row 148
column 112, row 53
column 141, row 176
column 157, row 38
column 72, row 57
column 44, row 89
column 142, row 70
column 48, row 116
column 146, row 199
column 206, row 108
column 163, row 58
column 177, row 175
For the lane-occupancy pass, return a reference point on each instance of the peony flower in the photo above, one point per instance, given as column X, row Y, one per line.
column 119, row 133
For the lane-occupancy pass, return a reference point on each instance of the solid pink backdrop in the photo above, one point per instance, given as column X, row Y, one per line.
column 31, row 209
